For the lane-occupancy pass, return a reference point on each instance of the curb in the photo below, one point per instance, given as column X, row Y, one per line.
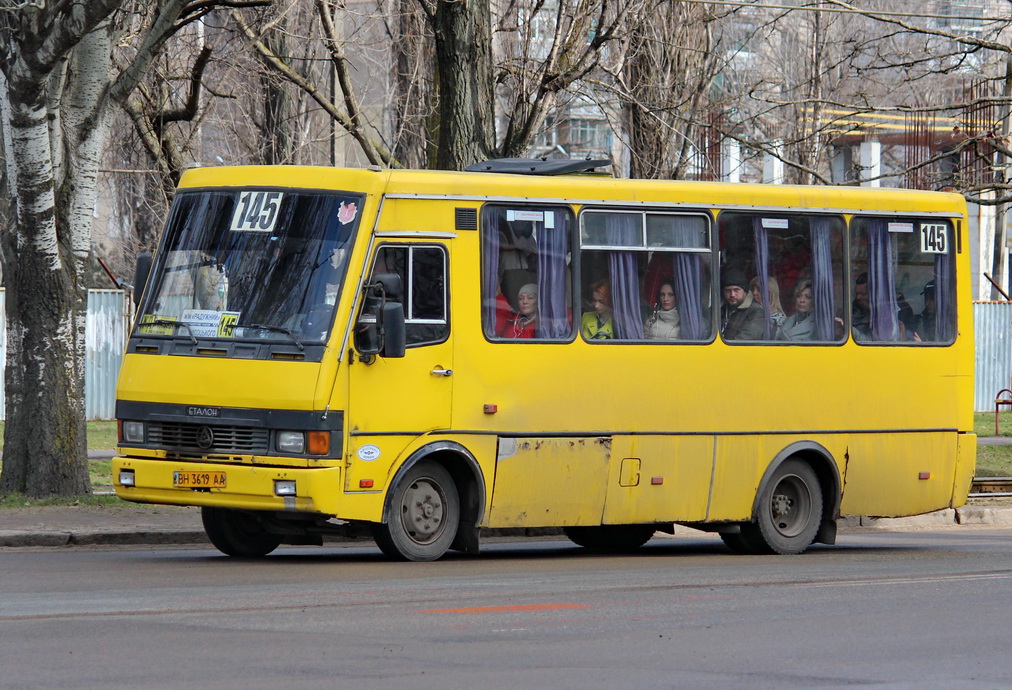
column 101, row 537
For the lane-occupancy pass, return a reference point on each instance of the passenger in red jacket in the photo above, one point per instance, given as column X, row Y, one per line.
column 523, row 325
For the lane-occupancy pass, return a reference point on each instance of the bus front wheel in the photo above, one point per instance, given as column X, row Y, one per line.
column 610, row 538
column 789, row 513
column 237, row 533
column 424, row 516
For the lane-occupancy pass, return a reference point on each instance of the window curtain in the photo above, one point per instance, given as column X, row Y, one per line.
column 762, row 263
column 945, row 291
column 688, row 274
column 490, row 267
column 553, row 248
column 624, row 230
column 882, row 283
column 822, row 279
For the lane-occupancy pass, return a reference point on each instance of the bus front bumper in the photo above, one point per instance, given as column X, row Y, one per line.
column 313, row 490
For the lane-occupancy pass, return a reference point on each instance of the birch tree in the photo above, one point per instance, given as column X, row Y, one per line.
column 58, row 88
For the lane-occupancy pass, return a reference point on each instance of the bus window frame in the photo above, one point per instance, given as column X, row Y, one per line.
column 573, row 266
column 708, row 215
column 789, row 212
column 407, row 296
column 954, row 245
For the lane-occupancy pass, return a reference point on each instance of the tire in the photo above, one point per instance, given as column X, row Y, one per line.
column 789, row 512
column 610, row 538
column 424, row 515
column 237, row 532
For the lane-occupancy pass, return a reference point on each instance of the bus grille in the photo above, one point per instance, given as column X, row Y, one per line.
column 233, row 439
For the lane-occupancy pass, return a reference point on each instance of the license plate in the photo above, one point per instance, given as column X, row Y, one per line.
column 198, row 480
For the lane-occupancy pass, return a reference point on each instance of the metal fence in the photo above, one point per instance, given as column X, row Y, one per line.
column 105, row 334
column 992, row 325
column 108, row 326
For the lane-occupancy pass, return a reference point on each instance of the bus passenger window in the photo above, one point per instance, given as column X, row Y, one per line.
column 645, row 276
column 526, row 282
column 903, row 281
column 794, row 265
column 422, row 269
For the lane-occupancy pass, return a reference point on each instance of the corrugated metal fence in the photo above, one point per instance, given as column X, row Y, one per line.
column 109, row 319
column 992, row 325
column 105, row 334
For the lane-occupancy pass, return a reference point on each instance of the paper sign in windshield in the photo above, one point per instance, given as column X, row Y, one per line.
column 208, row 323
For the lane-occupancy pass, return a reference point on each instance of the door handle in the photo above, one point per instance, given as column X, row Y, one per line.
column 442, row 372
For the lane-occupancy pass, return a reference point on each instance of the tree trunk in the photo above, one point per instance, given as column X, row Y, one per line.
column 462, row 31
column 45, row 451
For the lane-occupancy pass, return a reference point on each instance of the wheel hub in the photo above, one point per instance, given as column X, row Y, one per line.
column 422, row 511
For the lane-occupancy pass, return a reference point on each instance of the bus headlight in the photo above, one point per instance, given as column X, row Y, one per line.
column 132, row 432
column 291, row 442
column 126, row 478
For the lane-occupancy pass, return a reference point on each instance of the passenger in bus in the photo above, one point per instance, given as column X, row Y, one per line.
column 777, row 315
column 861, row 310
column 741, row 318
column 598, row 324
column 664, row 323
column 924, row 328
column 801, row 325
column 524, row 323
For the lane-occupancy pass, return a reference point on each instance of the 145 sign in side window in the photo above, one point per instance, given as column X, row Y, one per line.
column 933, row 238
column 256, row 211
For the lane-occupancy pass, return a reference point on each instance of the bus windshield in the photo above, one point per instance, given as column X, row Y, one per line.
column 260, row 264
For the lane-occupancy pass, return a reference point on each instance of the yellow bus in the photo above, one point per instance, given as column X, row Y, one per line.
column 416, row 356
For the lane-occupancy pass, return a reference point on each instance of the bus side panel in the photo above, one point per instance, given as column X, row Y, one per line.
column 658, row 479
column 895, row 474
column 966, row 465
column 736, row 475
column 550, row 482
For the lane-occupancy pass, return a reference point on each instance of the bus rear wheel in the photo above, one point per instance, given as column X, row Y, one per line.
column 424, row 516
column 610, row 538
column 789, row 514
column 237, row 532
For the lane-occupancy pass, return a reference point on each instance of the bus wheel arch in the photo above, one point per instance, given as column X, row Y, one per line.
column 463, row 499
column 796, row 504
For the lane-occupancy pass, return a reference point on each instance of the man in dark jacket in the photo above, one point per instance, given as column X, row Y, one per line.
column 741, row 317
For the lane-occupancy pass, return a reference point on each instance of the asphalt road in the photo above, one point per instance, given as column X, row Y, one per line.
column 924, row 610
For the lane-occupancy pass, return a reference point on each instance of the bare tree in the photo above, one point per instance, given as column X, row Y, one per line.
column 57, row 91
column 663, row 83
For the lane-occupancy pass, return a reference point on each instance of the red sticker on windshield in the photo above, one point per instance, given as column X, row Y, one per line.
column 347, row 213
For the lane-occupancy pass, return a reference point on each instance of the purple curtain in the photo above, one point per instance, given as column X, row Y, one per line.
column 489, row 266
column 553, row 302
column 624, row 230
column 762, row 267
column 945, row 291
column 688, row 271
column 881, row 283
column 824, row 310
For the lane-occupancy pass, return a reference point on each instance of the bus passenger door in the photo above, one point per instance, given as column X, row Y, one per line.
column 394, row 399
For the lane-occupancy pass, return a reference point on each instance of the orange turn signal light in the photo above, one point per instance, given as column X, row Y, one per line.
column 365, row 483
column 319, row 442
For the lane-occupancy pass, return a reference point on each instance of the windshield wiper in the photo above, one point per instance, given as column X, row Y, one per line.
column 278, row 329
column 170, row 322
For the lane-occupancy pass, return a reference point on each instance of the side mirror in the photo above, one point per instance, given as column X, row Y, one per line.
column 394, row 338
column 380, row 326
column 141, row 272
